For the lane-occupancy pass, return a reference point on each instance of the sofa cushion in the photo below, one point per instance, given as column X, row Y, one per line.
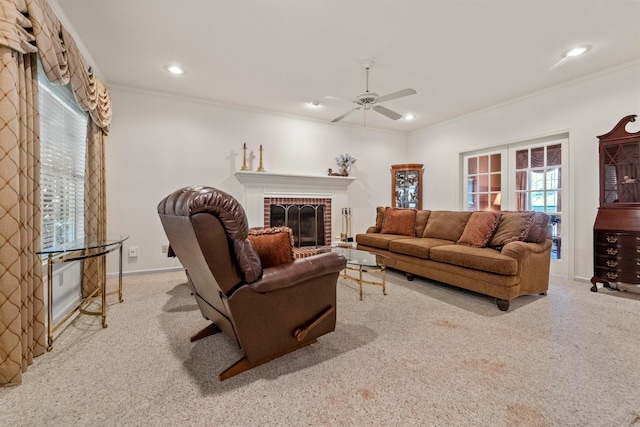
column 417, row 246
column 446, row 225
column 377, row 240
column 274, row 245
column 379, row 218
column 514, row 226
column 399, row 221
column 484, row 259
column 421, row 222
column 539, row 230
column 479, row 229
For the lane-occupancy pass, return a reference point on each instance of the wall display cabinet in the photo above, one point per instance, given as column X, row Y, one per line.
column 406, row 186
column 616, row 232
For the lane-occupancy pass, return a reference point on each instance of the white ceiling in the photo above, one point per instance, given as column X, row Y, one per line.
column 276, row 55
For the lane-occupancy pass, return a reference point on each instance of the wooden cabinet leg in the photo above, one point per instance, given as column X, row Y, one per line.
column 594, row 286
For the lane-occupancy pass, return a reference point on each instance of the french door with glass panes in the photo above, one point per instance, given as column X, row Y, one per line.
column 522, row 177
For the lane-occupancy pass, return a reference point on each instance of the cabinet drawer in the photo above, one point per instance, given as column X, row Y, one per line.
column 606, row 261
column 617, row 251
column 618, row 275
column 618, row 239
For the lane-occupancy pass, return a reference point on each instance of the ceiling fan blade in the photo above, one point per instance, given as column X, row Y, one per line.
column 386, row 112
column 337, row 119
column 398, row 94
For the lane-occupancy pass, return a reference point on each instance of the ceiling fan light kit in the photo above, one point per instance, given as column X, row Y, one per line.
column 371, row 100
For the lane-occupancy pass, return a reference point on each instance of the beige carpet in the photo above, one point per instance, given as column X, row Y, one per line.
column 425, row 354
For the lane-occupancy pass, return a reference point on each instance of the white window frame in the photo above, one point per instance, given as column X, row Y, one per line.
column 563, row 266
column 63, row 129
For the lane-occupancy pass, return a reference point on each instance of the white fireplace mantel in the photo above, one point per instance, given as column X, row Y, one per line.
column 258, row 185
column 282, row 180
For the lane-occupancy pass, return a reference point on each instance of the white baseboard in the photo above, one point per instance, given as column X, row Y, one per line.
column 151, row 271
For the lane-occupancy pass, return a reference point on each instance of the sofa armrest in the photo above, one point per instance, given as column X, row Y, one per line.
column 300, row 270
column 371, row 229
column 519, row 250
column 533, row 265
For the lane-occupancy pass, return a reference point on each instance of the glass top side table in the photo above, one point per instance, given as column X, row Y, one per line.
column 364, row 261
column 82, row 249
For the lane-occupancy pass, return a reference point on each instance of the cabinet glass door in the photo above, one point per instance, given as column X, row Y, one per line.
column 620, row 175
column 407, row 189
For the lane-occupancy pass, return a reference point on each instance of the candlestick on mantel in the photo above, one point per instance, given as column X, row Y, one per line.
column 260, row 168
column 244, row 160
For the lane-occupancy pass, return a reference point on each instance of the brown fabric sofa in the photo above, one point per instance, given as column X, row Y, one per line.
column 500, row 254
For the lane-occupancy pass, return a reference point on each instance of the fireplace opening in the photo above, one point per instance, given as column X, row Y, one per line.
column 306, row 221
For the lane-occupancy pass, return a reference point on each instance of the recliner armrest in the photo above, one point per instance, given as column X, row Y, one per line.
column 300, row 270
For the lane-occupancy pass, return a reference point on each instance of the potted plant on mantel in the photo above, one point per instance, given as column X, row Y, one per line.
column 344, row 162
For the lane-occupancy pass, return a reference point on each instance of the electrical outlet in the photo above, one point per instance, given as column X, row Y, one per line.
column 165, row 249
column 133, row 252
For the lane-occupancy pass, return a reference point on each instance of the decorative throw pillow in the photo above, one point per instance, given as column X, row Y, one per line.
column 274, row 245
column 539, row 230
column 514, row 226
column 422, row 217
column 399, row 221
column 380, row 210
column 479, row 229
column 446, row 225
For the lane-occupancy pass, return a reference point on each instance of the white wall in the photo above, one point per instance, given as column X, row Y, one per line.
column 160, row 143
column 586, row 108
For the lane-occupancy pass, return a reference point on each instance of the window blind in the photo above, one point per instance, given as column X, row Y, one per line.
column 63, row 129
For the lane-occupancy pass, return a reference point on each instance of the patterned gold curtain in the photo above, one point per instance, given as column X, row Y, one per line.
column 21, row 293
column 27, row 27
column 95, row 209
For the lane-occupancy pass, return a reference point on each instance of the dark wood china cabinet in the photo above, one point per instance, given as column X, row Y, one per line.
column 616, row 232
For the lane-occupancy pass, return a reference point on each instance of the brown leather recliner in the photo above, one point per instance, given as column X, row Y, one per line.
column 269, row 312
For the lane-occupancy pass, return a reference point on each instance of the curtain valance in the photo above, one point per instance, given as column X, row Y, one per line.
column 31, row 25
column 15, row 28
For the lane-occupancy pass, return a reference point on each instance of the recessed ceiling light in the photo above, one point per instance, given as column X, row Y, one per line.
column 576, row 51
column 175, row 69
column 409, row 116
column 314, row 104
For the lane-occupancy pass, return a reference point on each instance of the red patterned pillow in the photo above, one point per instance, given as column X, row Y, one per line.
column 399, row 221
column 274, row 245
column 479, row 229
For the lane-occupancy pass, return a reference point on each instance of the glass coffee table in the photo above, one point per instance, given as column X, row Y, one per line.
column 364, row 262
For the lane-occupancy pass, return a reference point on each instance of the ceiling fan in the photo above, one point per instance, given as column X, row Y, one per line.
column 372, row 101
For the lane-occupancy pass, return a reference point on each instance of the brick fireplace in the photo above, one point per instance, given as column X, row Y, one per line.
column 261, row 189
